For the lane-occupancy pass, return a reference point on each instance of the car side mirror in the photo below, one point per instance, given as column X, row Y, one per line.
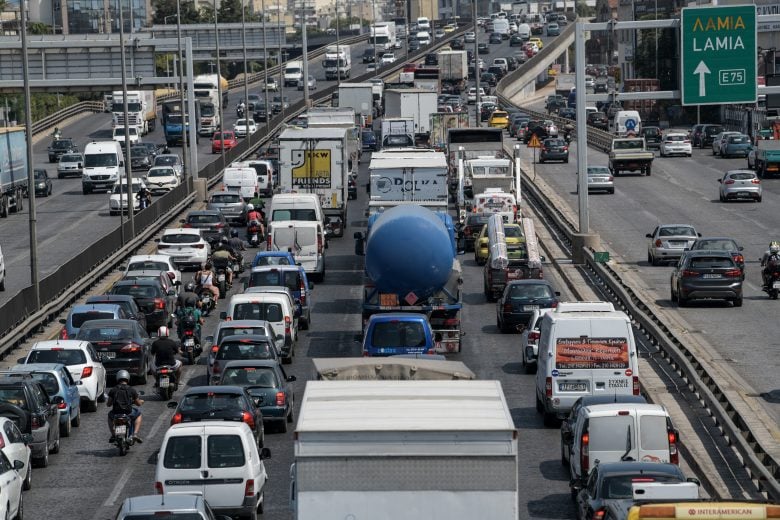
column 740, row 248
column 18, row 464
column 265, row 453
column 557, row 293
column 694, row 480
column 649, row 235
column 223, row 315
column 172, row 405
column 720, row 181
column 698, row 234
column 27, row 438
column 21, row 360
column 290, row 379
column 63, row 321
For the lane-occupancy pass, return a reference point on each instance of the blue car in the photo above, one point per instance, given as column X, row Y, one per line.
column 264, row 258
column 393, row 334
column 80, row 314
column 736, row 146
column 57, row 382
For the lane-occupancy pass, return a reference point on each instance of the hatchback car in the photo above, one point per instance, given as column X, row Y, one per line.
column 42, row 182
column 489, row 79
column 161, row 179
column 121, row 345
column 554, row 149
column 82, row 313
column 211, row 224
column 538, row 42
column 720, row 139
column 740, row 185
column 469, row 37
column 117, row 199
column 140, row 158
column 241, row 347
column 279, row 103
column 675, row 144
column 702, row 135
column 230, row 204
column 157, row 304
column 186, row 246
column 57, row 382
column 519, row 299
column 132, row 311
column 368, row 140
column 59, row 147
column 553, row 29
column 598, row 120
column 471, row 95
column 653, row 137
column 70, row 165
column 11, row 472
column 722, row 244
column 736, row 146
column 244, row 127
column 669, row 241
column 495, row 38
column 482, row 48
column 498, row 119
column 271, row 85
column 471, row 228
column 170, row 505
column 15, row 447
column 170, row 159
column 238, row 328
column 599, row 179
column 515, row 39
column 225, row 140
column 706, row 274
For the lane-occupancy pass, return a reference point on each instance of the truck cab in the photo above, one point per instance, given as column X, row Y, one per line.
column 398, row 333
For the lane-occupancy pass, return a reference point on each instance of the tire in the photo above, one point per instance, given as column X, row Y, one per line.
column 682, row 301
column 122, row 449
column 142, row 379
column 612, row 191
column 190, row 358
column 76, row 421
column 65, row 430
column 43, row 462
column 304, row 324
column 648, row 171
column 222, row 289
column 56, row 448
column 27, row 483
column 90, row 406
column 564, row 462
column 758, row 199
column 539, row 406
column 673, row 296
column 283, row 426
column 291, row 415
column 737, row 302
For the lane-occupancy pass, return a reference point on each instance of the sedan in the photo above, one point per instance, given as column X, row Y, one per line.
column 498, row 119
column 117, row 200
column 162, row 179
column 488, row 78
column 722, row 244
column 669, row 241
column 676, row 144
column 312, row 83
column 706, row 274
column 736, row 146
column 520, row 299
column 554, row 149
column 244, row 127
column 599, row 179
column 225, row 403
column 70, row 164
column 185, row 246
column 740, row 185
column 482, row 48
column 271, row 85
column 230, row 204
column 267, row 384
column 154, row 263
column 223, row 141
column 719, row 140
column 140, row 158
column 471, row 228
column 43, row 184
column 120, row 344
column 515, row 39
column 471, row 96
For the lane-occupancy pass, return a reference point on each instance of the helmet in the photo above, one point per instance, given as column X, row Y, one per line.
column 123, row 375
column 250, row 207
column 234, row 233
column 774, row 248
column 162, row 332
column 189, row 287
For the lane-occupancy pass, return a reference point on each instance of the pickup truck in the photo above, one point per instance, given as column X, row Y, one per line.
column 767, row 158
column 630, row 155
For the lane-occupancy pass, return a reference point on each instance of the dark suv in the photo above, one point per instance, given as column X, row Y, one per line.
column 653, row 136
column 706, row 135
column 151, row 298
column 598, row 120
column 60, row 147
column 25, row 402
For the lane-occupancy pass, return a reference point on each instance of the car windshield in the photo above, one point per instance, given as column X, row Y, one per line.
column 620, row 487
column 161, row 172
column 739, row 139
column 65, row 357
column 263, row 377
column 245, row 349
column 122, row 188
column 226, row 198
column 79, row 318
column 598, row 170
column 49, row 382
column 674, row 231
column 40, row 174
column 100, row 333
column 182, row 238
column 398, row 334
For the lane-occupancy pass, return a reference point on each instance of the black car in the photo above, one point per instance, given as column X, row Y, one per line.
column 211, row 222
column 125, row 301
column 60, row 147
column 369, row 56
column 721, row 244
column 520, row 299
column 150, row 297
column 537, row 128
column 43, row 184
column 121, row 345
column 368, row 140
column 431, row 59
column 260, row 113
column 516, row 39
column 242, row 347
column 489, row 78
column 706, row 274
column 413, row 45
column 554, row 149
column 495, row 38
column 457, row 44
column 25, row 401
column 151, row 148
column 215, row 403
column 707, row 135
column 598, row 120
column 483, row 48
column 140, row 158
column 471, row 228
column 497, row 70
column 567, row 113
column 653, row 136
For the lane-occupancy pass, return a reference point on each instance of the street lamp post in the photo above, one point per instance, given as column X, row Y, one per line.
column 246, row 72
column 338, row 46
column 186, row 163
column 265, row 69
column 219, row 84
column 281, row 57
column 476, row 62
column 128, row 169
column 304, row 51
column 372, row 29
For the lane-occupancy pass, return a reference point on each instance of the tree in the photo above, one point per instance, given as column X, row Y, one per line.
column 167, row 9
column 229, row 11
column 39, row 28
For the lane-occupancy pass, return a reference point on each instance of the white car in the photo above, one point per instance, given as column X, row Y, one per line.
column 83, row 364
column 471, row 96
column 2, row 271
column 12, row 482
column 244, row 127
column 117, row 201
column 14, row 447
column 271, row 85
column 676, row 143
column 185, row 245
column 469, row 37
column 371, row 67
column 170, row 159
column 154, row 263
column 132, row 132
column 552, row 130
column 387, row 58
column 162, row 179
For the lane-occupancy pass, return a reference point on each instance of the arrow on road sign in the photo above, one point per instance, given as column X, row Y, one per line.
column 701, row 70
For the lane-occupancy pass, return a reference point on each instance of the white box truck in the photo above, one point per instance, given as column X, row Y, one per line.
column 359, row 97
column 453, row 70
column 383, row 36
column 339, row 117
column 316, row 160
column 439, row 450
column 397, row 127
column 408, row 176
column 141, row 110
column 416, row 104
column 337, row 62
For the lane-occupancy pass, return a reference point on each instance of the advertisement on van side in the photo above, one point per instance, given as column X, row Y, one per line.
column 591, row 353
column 310, row 168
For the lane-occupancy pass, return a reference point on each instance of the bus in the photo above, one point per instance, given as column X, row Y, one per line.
column 705, row 510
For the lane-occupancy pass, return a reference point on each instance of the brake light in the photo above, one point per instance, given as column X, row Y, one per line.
column 281, row 399
column 199, row 246
column 131, row 347
column 303, row 293
column 188, row 333
column 176, row 419
column 611, row 178
column 687, row 273
column 163, row 370
column 187, row 225
column 214, row 348
column 534, row 336
column 739, row 259
column 287, row 323
column 319, row 243
column 658, row 242
column 249, row 488
column 548, row 387
column 86, row 372
column 755, row 181
column 158, row 488
column 268, row 242
column 34, row 422
column 565, row 148
column 674, row 456
column 215, row 368
column 64, row 333
column 635, row 380
column 733, row 273
column 730, row 181
column 599, row 514
column 248, row 419
column 220, row 225
column 585, row 453
column 62, row 405
column 687, row 141
column 507, row 307
column 159, row 303
column 171, row 275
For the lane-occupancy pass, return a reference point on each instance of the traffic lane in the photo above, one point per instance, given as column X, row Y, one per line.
column 680, row 191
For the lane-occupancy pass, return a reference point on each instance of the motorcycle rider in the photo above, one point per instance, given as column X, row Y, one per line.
column 144, row 197
column 256, row 202
column 240, row 109
column 205, row 279
column 124, row 399
column 186, row 302
column 222, row 256
column 253, row 215
column 164, row 350
column 56, row 134
column 236, row 244
column 770, row 261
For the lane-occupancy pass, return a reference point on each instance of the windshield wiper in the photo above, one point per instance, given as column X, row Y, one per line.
column 625, row 456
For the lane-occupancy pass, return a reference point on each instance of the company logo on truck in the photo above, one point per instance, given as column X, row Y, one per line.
column 388, row 184
column 310, row 168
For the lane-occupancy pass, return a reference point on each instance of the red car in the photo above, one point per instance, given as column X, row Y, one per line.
column 223, row 141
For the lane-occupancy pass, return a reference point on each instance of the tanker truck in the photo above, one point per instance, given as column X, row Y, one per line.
column 411, row 266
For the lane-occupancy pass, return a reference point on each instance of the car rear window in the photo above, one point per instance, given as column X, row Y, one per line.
column 653, row 434
column 166, row 161
column 182, row 452
column 289, row 279
column 163, row 515
column 704, row 262
column 98, row 334
column 78, row 319
column 272, row 260
column 294, row 214
column 718, row 245
column 187, row 238
column 398, row 334
column 49, row 382
column 532, row 291
column 739, row 139
column 263, row 377
column 742, row 176
column 136, row 291
column 208, row 401
column 147, row 265
column 676, row 231
column 66, row 357
column 268, row 311
column 675, row 138
column 713, row 130
column 610, row 433
column 228, row 198
column 161, row 172
column 225, row 451
column 620, row 487
column 201, row 219
column 245, row 350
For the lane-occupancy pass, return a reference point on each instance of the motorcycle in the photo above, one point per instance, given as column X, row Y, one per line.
column 207, row 302
column 240, row 111
column 166, row 381
column 190, row 342
column 221, row 271
column 253, row 235
column 336, row 226
column 123, row 433
column 772, row 283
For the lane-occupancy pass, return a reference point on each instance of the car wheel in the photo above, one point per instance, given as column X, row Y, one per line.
column 758, row 199
column 564, row 462
column 142, row 379
column 681, row 300
column 539, row 406
column 65, row 429
column 27, row 484
column 673, row 296
column 76, row 421
column 721, row 197
column 56, row 448
column 612, row 190
column 737, row 302
column 549, row 420
column 43, row 462
column 91, row 406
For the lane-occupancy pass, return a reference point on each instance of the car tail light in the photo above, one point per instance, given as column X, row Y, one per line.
column 220, row 226
column 158, row 488
column 674, row 456
column 287, row 323
column 35, row 422
column 688, row 273
column 687, row 141
column 739, row 259
column 249, row 488
column 599, row 514
column 64, row 333
column 2, row 442
column 171, row 275
column 635, row 380
column 86, row 372
column 159, row 303
column 176, row 419
column 62, row 405
column 733, row 273
column 303, row 293
column 548, row 387
column 188, row 333
column 565, row 148
column 214, row 348
column 611, row 178
column 215, row 368
column 131, row 347
column 584, row 453
column 730, row 181
column 281, row 399
column 268, row 242
column 534, row 336
column 186, row 225
column 507, row 307
column 248, row 419
column 755, row 181
column 658, row 242
column 198, row 246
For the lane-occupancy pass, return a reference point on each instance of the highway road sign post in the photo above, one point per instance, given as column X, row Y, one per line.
column 718, row 55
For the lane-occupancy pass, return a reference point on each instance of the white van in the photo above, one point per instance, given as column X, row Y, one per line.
column 524, row 30
column 305, row 239
column 293, row 71
column 620, row 431
column 218, row 460
column 276, row 309
column 297, row 206
column 585, row 348
column 266, row 176
column 241, row 179
column 423, row 23
column 424, row 37
column 132, row 132
column 501, row 26
column 103, row 166
column 627, row 122
column 495, row 200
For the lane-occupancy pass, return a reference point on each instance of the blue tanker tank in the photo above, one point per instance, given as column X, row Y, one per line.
column 410, row 249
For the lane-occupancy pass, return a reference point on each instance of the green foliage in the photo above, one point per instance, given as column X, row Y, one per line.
column 41, row 105
column 229, row 11
column 167, row 8
column 39, row 28
column 645, row 58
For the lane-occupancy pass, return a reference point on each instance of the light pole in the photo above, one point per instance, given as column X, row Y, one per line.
column 128, row 169
column 476, row 62
column 219, row 85
column 372, row 29
column 168, row 56
column 304, row 51
column 185, row 161
column 338, row 47
column 265, row 69
column 281, row 57
column 246, row 72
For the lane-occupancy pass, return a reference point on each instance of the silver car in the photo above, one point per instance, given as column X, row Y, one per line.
column 600, row 179
column 312, row 83
column 70, row 164
column 230, row 204
column 669, row 241
column 740, row 185
column 170, row 159
column 719, row 140
column 165, row 506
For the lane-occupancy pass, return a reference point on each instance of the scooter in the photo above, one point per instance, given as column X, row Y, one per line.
column 190, row 342
column 240, row 111
column 253, row 235
column 772, row 285
column 123, row 433
column 165, row 376
column 221, row 271
column 206, row 301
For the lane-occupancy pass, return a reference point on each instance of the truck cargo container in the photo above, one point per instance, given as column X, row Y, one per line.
column 382, row 35
column 359, row 97
column 339, row 117
column 408, row 176
column 453, row 71
column 414, row 103
column 427, row 78
column 13, row 170
column 172, row 120
column 397, row 126
column 563, row 84
column 441, row 123
column 395, row 369
column 141, row 110
column 207, row 87
column 337, row 62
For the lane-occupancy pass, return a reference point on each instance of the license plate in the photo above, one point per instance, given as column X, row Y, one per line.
column 107, row 355
column 617, row 383
column 189, row 342
column 221, row 278
column 711, row 275
column 254, row 237
column 572, row 387
column 530, row 307
column 164, row 382
column 120, row 430
column 743, row 194
column 776, row 285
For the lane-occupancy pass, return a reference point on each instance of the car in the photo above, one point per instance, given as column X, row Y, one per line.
column 567, row 113
column 535, row 128
column 161, row 179
column 471, row 95
column 70, row 164
column 211, row 223
column 242, row 346
column 260, row 114
column 722, row 244
column 170, row 159
column 312, row 83
column 676, row 143
column 153, row 274
column 369, row 56
column 486, row 108
column 653, row 136
column 131, row 132
column 719, row 139
column 553, row 29
column 562, row 20
column 387, row 58
column 117, row 199
column 538, row 42
column 271, row 85
column 439, row 33
column 612, row 481
column 292, row 277
column 519, row 299
column 24, row 400
column 279, row 103
column 368, row 140
column 669, row 241
column 516, row 120
column 469, row 37
column 156, row 304
column 230, row 204
column 244, row 127
column 598, row 120
column 498, row 119
column 268, row 385
column 82, row 313
column 214, row 403
column 59, row 147
column 554, row 149
column 740, row 185
column 457, row 44
column 495, row 38
column 600, row 178
column 222, row 141
column 13, row 483
column 482, row 48
column 489, row 78
column 703, row 135
column 15, row 446
column 706, row 275
column 735, row 146
column 513, row 234
column 414, row 45
column 186, row 245
column 551, row 127
column 43, row 184
column 590, row 81
column 57, row 382
column 170, row 505
column 140, row 158
column 471, row 228
column 237, row 328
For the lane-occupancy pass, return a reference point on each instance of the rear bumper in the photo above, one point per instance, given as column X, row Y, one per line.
column 40, row 444
column 135, row 366
column 732, row 290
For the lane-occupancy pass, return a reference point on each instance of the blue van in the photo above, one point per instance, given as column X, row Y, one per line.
column 398, row 333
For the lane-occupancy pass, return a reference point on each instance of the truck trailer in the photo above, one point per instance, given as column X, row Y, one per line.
column 359, row 97
column 408, row 176
column 141, row 110
column 174, row 121
column 414, row 103
column 337, row 62
column 13, row 170
column 453, row 71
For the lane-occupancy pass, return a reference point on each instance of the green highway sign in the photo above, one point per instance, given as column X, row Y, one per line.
column 718, row 55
